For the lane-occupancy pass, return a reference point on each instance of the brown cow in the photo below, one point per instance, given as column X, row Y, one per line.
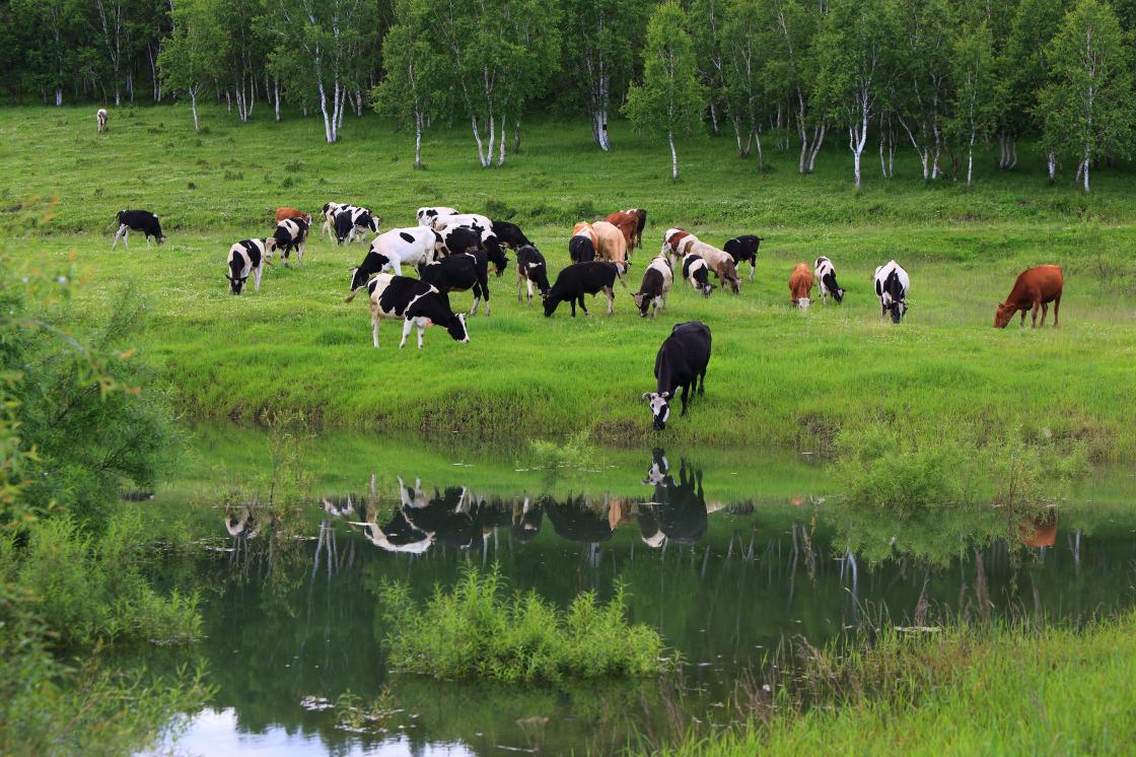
column 1034, row 289
column 801, row 285
column 1040, row 531
column 631, row 222
column 283, row 214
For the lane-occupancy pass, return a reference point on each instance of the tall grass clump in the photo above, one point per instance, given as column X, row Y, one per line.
column 479, row 630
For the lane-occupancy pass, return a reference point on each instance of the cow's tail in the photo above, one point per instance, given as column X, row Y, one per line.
column 351, row 296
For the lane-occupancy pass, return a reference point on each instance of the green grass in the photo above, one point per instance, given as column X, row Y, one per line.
column 778, row 378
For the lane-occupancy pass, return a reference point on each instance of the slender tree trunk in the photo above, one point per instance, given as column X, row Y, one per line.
column 58, row 97
column 714, row 118
column 193, row 107
column 738, row 135
column 417, row 139
column 1051, row 166
column 1085, row 175
column 501, row 142
column 517, row 135
column 760, row 152
column 276, row 97
column 970, row 161
column 674, row 156
column 328, row 117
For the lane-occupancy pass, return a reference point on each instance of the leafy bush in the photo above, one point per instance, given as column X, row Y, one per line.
column 477, row 631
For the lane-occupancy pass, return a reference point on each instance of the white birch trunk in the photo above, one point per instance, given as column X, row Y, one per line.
column 674, row 156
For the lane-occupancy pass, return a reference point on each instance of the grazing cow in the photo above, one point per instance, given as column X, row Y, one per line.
column 285, row 213
column 681, row 362
column 101, row 120
column 456, row 240
column 245, row 257
column 582, row 244
column 417, row 303
column 482, row 225
column 510, row 234
column 578, row 279
column 610, row 243
column 392, row 249
column 426, row 216
column 678, row 511
column 351, row 221
column 658, row 279
column 329, row 210
column 742, row 249
column 695, row 270
column 1035, row 288
column 892, row 284
column 137, row 220
column 826, row 275
column 291, row 234
column 801, row 286
column 630, row 223
column 531, row 269
column 678, row 244
column 458, row 273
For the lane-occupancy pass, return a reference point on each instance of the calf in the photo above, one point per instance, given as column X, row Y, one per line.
column 417, row 303
column 678, row 243
column 413, row 245
column 458, row 273
column 291, row 234
column 137, row 220
column 329, row 210
column 658, row 279
column 101, row 120
column 582, row 245
column 578, row 279
column 826, row 275
column 245, row 257
column 742, row 249
column 285, row 213
column 1034, row 288
column 351, row 220
column 681, row 362
column 801, row 286
column 892, row 284
column 427, row 215
column 510, row 234
column 695, row 270
column 531, row 269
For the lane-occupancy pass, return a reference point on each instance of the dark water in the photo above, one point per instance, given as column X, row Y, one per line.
column 292, row 618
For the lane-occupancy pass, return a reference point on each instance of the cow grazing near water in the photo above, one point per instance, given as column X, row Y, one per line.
column 285, row 213
column 531, row 269
column 1034, row 288
column 137, row 220
column 680, row 363
column 101, row 120
column 695, row 270
column 679, row 243
column 658, row 279
column 248, row 257
column 510, row 234
column 417, row 303
column 892, row 285
column 413, row 246
column 427, row 215
column 826, row 275
column 459, row 273
column 744, row 249
column 351, row 221
column 801, row 282
column 630, row 223
column 578, row 279
column 291, row 234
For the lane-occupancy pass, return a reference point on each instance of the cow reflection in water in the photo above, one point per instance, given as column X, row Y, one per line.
column 242, row 524
column 678, row 511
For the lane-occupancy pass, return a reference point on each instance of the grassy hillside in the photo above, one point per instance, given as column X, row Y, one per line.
column 778, row 378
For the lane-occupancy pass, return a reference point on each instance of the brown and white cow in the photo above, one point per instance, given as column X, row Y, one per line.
column 1034, row 289
column 631, row 223
column 679, row 243
column 801, row 282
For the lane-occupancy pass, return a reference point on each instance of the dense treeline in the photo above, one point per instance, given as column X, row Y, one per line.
column 939, row 76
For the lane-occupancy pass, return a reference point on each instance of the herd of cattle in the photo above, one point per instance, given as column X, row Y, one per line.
column 451, row 251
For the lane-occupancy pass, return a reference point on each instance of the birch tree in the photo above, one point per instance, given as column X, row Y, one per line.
column 1087, row 103
column 925, row 29
column 746, row 42
column 706, row 21
column 669, row 100
column 246, row 51
column 404, row 92
column 797, row 23
column 975, row 92
column 110, row 26
column 55, row 20
column 192, row 56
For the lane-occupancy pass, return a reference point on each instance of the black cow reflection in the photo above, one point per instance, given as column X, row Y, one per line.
column 526, row 520
column 678, row 511
column 578, row 519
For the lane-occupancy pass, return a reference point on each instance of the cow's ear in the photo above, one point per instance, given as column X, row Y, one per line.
column 665, row 395
column 645, row 396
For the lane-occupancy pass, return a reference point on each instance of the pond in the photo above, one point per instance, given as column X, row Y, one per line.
column 725, row 556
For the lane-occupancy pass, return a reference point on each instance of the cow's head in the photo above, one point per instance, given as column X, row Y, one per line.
column 803, row 303
column 1003, row 315
column 660, row 407
column 236, row 280
column 496, row 254
column 457, row 330
column 897, row 309
column 838, row 295
column 371, row 221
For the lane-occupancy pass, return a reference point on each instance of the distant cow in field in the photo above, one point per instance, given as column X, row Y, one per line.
column 658, row 279
column 417, row 303
column 630, row 223
column 510, row 234
column 101, row 120
column 695, row 270
column 247, row 257
column 1035, row 288
column 291, row 234
column 427, row 215
column 413, row 245
column 282, row 214
column 531, row 269
column 679, row 243
column 826, row 275
column 459, row 273
column 137, row 220
column 892, row 285
column 801, row 282
column 350, row 221
column 680, row 363
column 578, row 279
column 744, row 249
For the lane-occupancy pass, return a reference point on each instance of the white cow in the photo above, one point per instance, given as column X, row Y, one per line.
column 101, row 119
column 427, row 215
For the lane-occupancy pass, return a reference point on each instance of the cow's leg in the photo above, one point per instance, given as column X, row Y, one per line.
column 1044, row 312
column 1033, row 314
column 147, row 241
column 583, row 305
column 300, row 252
column 407, row 325
column 421, row 332
column 520, row 285
column 753, row 268
column 484, row 283
column 375, row 320
column 685, row 398
column 476, row 299
column 609, row 292
column 118, row 235
column 572, row 302
column 256, row 272
column 1056, row 309
column 702, row 383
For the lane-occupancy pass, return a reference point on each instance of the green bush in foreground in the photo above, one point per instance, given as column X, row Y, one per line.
column 477, row 631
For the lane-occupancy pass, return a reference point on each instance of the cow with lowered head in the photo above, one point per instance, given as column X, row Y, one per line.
column 479, row 223
column 418, row 304
column 680, row 364
column 892, row 284
column 826, row 274
column 291, row 234
column 658, row 279
column 1034, row 288
column 510, row 234
column 350, row 221
column 458, row 273
column 531, row 269
column 695, row 270
column 248, row 257
column 413, row 245
column 137, row 220
column 578, row 279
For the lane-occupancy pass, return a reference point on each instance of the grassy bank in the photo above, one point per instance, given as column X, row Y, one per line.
column 778, row 378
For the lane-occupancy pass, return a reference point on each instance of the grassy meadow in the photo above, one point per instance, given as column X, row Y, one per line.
column 778, row 378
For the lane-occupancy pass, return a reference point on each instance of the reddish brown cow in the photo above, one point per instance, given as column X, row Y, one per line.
column 283, row 214
column 1040, row 531
column 630, row 222
column 801, row 285
column 1034, row 289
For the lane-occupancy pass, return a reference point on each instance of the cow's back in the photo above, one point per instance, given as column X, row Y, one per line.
column 1044, row 281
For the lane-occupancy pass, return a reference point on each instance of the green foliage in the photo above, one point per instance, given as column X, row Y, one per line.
column 195, row 52
column 477, row 631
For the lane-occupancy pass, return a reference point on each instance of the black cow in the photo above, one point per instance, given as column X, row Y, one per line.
column 291, row 234
column 448, row 517
column 510, row 234
column 681, row 362
column 581, row 249
column 350, row 220
column 575, row 521
column 578, row 279
column 458, row 273
column 531, row 269
column 417, row 303
column 680, row 512
column 744, row 248
column 137, row 220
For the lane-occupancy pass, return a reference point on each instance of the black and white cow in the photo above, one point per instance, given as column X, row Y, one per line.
column 291, row 234
column 578, row 279
column 329, row 211
column 695, row 270
column 137, row 220
column 392, row 249
column 458, row 273
column 826, row 275
column 680, row 363
column 581, row 249
column 417, row 303
column 351, row 220
column 678, row 510
column 248, row 256
column 531, row 269
column 479, row 223
column 744, row 248
column 456, row 240
column 892, row 284
column 427, row 215
column 658, row 279
column 510, row 234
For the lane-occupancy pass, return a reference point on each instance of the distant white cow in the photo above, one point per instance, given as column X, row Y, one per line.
column 101, row 119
